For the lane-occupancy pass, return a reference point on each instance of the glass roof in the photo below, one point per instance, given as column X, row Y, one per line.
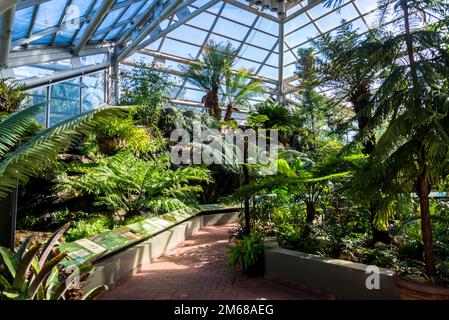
column 173, row 32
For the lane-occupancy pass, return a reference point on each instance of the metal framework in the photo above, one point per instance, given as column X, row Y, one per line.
column 69, row 38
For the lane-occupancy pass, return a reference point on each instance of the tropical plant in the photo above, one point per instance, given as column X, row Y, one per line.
column 247, row 252
column 11, row 97
column 412, row 153
column 147, row 88
column 346, row 70
column 121, row 132
column 125, row 182
column 34, row 273
column 89, row 227
column 18, row 164
column 300, row 180
column 313, row 107
column 208, row 73
column 272, row 114
column 238, row 89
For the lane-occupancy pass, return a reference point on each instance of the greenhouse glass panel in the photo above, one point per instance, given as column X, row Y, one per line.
column 65, row 101
column 37, row 96
column 93, row 88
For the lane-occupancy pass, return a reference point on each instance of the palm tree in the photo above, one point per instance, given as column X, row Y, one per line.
column 345, row 69
column 208, row 73
column 412, row 96
column 238, row 89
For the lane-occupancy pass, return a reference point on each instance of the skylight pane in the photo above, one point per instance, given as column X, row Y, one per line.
column 237, row 14
column 262, row 39
column 22, row 23
column 49, row 14
column 234, row 30
column 179, row 49
column 195, row 36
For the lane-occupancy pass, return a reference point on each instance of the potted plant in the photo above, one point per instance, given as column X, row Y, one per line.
column 249, row 253
column 414, row 284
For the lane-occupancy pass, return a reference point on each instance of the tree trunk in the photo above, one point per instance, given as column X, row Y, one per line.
column 246, row 182
column 423, row 190
column 229, row 110
column 311, row 212
column 310, row 217
column 423, row 186
column 215, row 104
column 211, row 103
column 360, row 100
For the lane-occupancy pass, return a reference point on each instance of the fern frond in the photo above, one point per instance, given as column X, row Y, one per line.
column 43, row 148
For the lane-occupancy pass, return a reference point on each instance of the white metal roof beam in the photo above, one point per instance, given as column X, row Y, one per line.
column 188, row 61
column 311, row 4
column 206, row 40
column 19, row 58
column 93, row 25
column 170, row 28
column 136, row 25
column 177, row 24
column 252, row 10
column 7, row 4
column 132, row 47
column 6, row 24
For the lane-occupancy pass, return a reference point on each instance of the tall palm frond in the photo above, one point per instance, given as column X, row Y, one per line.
column 15, row 126
column 238, row 88
column 209, row 70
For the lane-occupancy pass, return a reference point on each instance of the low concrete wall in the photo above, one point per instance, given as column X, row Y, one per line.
column 115, row 267
column 339, row 278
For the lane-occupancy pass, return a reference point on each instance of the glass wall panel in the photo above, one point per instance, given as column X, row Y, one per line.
column 93, row 91
column 36, row 96
column 65, row 100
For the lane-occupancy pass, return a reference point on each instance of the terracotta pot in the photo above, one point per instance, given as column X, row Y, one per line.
column 412, row 290
column 109, row 146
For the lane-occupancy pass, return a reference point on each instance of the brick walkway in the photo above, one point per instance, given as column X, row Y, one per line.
column 197, row 269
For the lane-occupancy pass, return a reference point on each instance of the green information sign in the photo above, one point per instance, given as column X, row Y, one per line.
column 90, row 249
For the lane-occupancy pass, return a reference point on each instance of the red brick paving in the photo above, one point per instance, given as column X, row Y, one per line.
column 198, row 269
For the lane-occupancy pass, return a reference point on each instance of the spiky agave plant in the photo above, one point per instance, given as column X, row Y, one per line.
column 33, row 272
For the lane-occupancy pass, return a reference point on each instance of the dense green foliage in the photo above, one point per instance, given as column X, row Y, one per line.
column 247, row 251
column 138, row 185
column 32, row 273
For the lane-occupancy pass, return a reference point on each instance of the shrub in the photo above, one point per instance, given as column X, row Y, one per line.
column 248, row 251
column 87, row 228
column 135, row 185
column 118, row 133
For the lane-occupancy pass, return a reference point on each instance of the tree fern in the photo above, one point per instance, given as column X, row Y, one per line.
column 136, row 185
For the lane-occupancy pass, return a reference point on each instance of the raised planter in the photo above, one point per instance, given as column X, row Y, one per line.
column 411, row 290
column 339, row 279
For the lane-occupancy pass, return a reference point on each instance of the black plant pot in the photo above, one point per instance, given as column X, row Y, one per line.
column 257, row 269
